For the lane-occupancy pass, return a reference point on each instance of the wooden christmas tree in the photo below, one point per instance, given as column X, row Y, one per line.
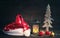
column 47, row 19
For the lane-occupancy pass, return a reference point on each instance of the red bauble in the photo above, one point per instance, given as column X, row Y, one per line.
column 47, row 32
column 41, row 33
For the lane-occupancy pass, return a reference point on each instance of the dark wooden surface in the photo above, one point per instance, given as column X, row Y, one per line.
column 57, row 35
column 8, row 36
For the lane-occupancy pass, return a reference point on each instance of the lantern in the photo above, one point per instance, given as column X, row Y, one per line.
column 35, row 29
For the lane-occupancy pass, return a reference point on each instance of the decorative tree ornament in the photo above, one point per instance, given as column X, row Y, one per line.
column 47, row 22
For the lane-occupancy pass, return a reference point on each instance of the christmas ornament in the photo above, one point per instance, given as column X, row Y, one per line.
column 41, row 33
column 47, row 33
column 52, row 34
column 47, row 22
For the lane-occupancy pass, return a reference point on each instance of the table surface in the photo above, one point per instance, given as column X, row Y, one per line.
column 32, row 36
column 57, row 35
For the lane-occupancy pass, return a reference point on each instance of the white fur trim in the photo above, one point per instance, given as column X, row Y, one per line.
column 27, row 32
column 16, row 32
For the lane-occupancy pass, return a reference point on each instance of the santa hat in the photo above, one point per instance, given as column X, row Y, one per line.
column 19, row 27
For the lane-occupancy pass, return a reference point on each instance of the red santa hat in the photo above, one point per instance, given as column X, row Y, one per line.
column 19, row 23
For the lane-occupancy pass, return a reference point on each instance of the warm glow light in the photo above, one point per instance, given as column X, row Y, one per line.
column 35, row 28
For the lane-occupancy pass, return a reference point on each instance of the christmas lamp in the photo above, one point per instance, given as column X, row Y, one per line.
column 35, row 29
